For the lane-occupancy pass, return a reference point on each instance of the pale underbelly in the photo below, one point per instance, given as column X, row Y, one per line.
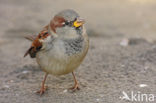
column 59, row 66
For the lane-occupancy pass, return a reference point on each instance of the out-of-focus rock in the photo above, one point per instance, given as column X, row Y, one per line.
column 124, row 42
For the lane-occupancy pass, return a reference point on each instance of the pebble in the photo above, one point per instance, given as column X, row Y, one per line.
column 98, row 99
column 124, row 42
column 6, row 86
column 65, row 91
column 25, row 72
column 143, row 85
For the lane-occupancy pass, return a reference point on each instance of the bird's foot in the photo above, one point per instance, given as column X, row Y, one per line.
column 42, row 90
column 74, row 88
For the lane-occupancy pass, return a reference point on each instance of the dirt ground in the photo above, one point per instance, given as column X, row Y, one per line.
column 121, row 58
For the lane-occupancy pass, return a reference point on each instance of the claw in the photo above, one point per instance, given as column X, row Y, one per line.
column 42, row 90
column 74, row 88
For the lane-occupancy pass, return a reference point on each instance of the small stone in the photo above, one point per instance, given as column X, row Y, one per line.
column 98, row 99
column 11, row 81
column 25, row 72
column 65, row 91
column 143, row 85
column 124, row 42
column 6, row 86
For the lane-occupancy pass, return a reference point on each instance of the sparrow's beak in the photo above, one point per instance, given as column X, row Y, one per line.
column 78, row 22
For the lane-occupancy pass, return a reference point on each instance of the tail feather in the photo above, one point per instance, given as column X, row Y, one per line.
column 32, row 52
column 28, row 51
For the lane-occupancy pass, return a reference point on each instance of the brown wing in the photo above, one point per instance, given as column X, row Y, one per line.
column 36, row 44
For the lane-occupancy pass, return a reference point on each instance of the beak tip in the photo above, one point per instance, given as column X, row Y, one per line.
column 81, row 20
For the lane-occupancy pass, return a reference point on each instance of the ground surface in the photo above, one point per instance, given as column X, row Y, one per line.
column 109, row 68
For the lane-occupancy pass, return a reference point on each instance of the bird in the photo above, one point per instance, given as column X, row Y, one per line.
column 60, row 47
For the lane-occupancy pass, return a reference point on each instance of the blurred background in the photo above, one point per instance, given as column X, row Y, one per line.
column 122, row 51
column 130, row 18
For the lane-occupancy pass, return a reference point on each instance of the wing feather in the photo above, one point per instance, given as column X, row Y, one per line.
column 36, row 43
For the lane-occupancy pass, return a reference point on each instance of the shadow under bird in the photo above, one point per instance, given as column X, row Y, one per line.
column 61, row 46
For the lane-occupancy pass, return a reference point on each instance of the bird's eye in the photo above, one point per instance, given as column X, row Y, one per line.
column 66, row 23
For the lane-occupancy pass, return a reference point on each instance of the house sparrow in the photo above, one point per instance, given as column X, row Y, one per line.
column 61, row 46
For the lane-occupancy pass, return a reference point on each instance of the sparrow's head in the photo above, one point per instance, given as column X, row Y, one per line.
column 67, row 23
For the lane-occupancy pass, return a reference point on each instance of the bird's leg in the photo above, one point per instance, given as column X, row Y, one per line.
column 43, row 88
column 75, row 87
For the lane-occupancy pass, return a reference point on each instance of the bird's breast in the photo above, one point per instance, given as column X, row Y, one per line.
column 63, row 57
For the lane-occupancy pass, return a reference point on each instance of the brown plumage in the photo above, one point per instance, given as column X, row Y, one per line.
column 36, row 44
column 56, row 22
